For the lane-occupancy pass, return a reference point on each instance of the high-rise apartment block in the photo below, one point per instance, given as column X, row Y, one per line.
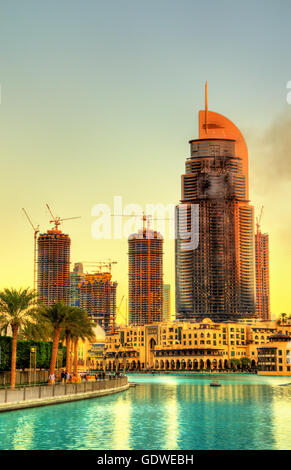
column 98, row 298
column 166, row 302
column 53, row 281
column 262, row 276
column 76, row 276
column 215, row 277
column 145, row 250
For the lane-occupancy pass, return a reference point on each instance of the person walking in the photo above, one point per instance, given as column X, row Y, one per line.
column 52, row 379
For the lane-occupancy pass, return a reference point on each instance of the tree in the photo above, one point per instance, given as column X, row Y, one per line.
column 17, row 309
column 56, row 315
column 83, row 330
column 41, row 330
column 234, row 363
column 283, row 318
column 245, row 362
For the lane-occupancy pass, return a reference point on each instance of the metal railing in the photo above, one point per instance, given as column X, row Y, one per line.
column 42, row 391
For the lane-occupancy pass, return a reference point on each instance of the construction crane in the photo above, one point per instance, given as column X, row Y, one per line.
column 100, row 264
column 146, row 219
column 104, row 264
column 57, row 220
column 117, row 312
column 36, row 232
column 258, row 262
column 259, row 219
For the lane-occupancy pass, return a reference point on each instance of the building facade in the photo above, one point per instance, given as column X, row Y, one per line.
column 274, row 358
column 53, row 259
column 200, row 346
column 145, row 269
column 98, row 298
column 262, row 275
column 166, row 302
column 215, row 269
column 76, row 277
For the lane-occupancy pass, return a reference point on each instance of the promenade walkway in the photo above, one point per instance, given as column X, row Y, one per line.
column 40, row 395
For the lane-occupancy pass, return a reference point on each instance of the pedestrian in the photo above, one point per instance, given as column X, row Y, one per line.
column 52, row 379
column 63, row 376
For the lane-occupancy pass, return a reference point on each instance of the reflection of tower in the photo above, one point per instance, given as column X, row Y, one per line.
column 166, row 302
column 262, row 273
column 98, row 298
column 145, row 250
column 53, row 266
column 216, row 280
column 76, row 277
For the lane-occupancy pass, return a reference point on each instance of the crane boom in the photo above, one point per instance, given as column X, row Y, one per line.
column 36, row 231
column 57, row 220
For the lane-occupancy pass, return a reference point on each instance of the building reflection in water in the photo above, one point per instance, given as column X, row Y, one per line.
column 161, row 412
column 121, row 412
column 193, row 415
column 281, row 411
column 23, row 433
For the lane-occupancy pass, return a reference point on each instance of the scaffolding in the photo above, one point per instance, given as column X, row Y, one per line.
column 54, row 267
column 145, row 251
column 98, row 298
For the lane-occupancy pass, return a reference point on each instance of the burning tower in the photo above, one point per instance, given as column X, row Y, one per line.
column 216, row 279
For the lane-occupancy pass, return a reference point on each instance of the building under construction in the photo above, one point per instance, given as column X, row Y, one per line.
column 262, row 276
column 53, row 280
column 215, row 278
column 76, row 276
column 98, row 298
column 166, row 302
column 145, row 250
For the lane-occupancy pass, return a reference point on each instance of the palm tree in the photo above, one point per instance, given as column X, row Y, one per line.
column 56, row 315
column 76, row 320
column 17, row 309
column 283, row 318
column 71, row 321
column 41, row 330
column 83, row 330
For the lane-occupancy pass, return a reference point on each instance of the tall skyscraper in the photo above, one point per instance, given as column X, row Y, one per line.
column 216, row 278
column 76, row 276
column 98, row 298
column 53, row 280
column 262, row 275
column 145, row 250
column 166, row 302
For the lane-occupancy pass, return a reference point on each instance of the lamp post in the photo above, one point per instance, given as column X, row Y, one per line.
column 32, row 363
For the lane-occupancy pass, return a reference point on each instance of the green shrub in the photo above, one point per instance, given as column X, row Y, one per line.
column 43, row 353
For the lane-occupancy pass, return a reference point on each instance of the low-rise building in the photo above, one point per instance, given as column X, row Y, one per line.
column 274, row 358
column 204, row 345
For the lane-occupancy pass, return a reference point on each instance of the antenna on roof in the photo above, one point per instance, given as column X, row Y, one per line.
column 206, row 105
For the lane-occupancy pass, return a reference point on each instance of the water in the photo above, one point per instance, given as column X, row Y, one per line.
column 162, row 412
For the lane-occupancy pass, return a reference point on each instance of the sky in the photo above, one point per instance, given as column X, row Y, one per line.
column 99, row 99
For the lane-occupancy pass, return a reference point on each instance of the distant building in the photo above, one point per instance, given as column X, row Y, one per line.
column 76, row 276
column 145, row 251
column 262, row 275
column 166, row 302
column 98, row 298
column 274, row 358
column 53, row 280
column 205, row 345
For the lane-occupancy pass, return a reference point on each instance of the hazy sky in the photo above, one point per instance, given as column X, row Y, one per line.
column 100, row 99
